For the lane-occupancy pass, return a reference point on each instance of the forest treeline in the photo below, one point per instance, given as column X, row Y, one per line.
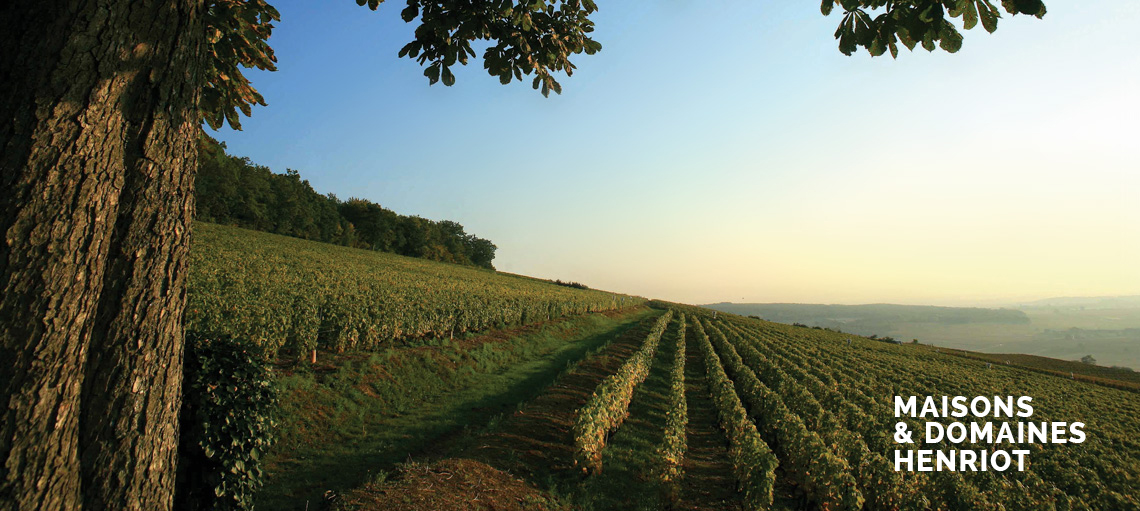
column 235, row 191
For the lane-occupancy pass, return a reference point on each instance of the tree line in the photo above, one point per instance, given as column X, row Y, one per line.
column 235, row 191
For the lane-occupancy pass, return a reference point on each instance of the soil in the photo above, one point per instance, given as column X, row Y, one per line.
column 452, row 484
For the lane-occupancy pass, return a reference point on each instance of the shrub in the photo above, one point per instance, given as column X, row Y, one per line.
column 227, row 421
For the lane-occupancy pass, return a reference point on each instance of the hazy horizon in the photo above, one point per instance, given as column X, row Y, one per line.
column 731, row 153
column 964, row 303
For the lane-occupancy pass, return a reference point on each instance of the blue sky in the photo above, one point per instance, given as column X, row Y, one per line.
column 726, row 150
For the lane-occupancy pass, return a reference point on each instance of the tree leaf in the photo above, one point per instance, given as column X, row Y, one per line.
column 969, row 15
column 410, row 12
column 988, row 14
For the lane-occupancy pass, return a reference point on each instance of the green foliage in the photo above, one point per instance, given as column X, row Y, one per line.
column 675, row 443
column 283, row 292
column 837, row 391
column 380, row 229
column 235, row 191
column 371, row 411
column 527, row 37
column 881, row 486
column 879, row 25
column 228, row 409
column 752, row 461
column 236, row 35
column 608, row 407
column 825, row 477
column 575, row 285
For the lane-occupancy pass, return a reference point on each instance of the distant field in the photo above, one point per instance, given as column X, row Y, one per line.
column 1088, row 319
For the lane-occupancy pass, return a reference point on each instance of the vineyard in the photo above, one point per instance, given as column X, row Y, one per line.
column 337, row 298
column 577, row 398
column 822, row 399
column 804, row 420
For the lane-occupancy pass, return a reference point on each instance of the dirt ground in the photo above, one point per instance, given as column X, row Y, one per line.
column 451, row 484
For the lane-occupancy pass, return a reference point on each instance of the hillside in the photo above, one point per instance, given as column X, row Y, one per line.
column 1085, row 302
column 874, row 319
column 399, row 378
column 289, row 296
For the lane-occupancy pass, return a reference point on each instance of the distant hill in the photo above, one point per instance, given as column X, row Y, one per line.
column 873, row 318
column 1087, row 302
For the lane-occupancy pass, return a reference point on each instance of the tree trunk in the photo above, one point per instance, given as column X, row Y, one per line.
column 98, row 129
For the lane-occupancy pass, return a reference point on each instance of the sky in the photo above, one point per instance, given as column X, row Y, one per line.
column 727, row 151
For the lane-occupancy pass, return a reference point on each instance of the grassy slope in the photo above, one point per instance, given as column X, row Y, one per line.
column 536, row 442
column 345, row 423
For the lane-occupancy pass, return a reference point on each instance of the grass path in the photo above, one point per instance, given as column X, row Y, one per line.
column 301, row 480
column 630, row 478
column 536, row 442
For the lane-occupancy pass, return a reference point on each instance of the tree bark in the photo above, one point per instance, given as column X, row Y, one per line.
column 98, row 128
